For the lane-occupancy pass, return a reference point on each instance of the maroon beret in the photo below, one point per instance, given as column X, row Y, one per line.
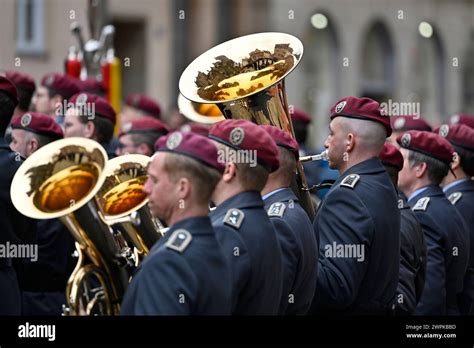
column 21, row 80
column 144, row 124
column 283, row 139
column 428, row 143
column 391, row 156
column 65, row 85
column 299, row 115
column 458, row 135
column 38, row 123
column 404, row 123
column 363, row 109
column 9, row 88
column 192, row 145
column 144, row 103
column 91, row 85
column 195, row 128
column 245, row 135
column 95, row 105
column 468, row 120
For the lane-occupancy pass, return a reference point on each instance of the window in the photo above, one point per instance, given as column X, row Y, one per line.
column 30, row 27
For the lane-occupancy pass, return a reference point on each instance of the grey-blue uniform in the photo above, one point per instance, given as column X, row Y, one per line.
column 412, row 261
column 16, row 229
column 283, row 208
column 447, row 243
column 461, row 195
column 187, row 275
column 249, row 241
column 45, row 279
column 359, row 213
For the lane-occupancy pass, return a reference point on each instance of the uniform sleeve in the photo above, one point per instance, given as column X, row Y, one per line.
column 343, row 222
column 165, row 285
column 433, row 297
column 291, row 255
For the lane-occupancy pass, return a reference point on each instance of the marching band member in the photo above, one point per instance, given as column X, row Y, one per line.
column 427, row 157
column 284, row 209
column 242, row 225
column 358, row 221
column 188, row 273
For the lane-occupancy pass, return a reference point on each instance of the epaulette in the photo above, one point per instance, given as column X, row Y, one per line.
column 421, row 204
column 455, row 197
column 350, row 180
column 179, row 240
column 234, row 218
column 276, row 209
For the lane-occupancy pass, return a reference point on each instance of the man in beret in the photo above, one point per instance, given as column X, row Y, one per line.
column 188, row 273
column 91, row 117
column 43, row 281
column 358, row 222
column 459, row 188
column 138, row 105
column 53, row 94
column 412, row 242
column 139, row 136
column 427, row 157
column 33, row 130
column 405, row 123
column 299, row 247
column 15, row 228
column 242, row 226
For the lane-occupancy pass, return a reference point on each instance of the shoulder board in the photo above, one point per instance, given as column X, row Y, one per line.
column 350, row 180
column 455, row 197
column 276, row 209
column 234, row 218
column 179, row 240
column 421, row 204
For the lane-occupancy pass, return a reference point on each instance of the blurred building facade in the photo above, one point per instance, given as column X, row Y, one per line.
column 352, row 47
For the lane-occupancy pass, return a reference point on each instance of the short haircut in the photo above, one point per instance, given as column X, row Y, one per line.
column 467, row 160
column 372, row 135
column 104, row 128
column 24, row 98
column 148, row 139
column 7, row 107
column 437, row 170
column 54, row 92
column 41, row 138
column 287, row 169
column 251, row 178
column 203, row 178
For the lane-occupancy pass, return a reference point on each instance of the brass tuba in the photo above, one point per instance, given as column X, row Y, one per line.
column 61, row 180
column 245, row 78
column 123, row 203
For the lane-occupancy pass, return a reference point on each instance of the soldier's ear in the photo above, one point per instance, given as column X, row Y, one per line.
column 456, row 162
column 350, row 142
column 229, row 172
column 421, row 169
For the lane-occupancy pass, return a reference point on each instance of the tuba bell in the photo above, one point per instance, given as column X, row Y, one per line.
column 61, row 180
column 245, row 78
column 123, row 204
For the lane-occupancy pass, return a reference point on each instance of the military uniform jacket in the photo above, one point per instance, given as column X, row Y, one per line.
column 187, row 275
column 461, row 196
column 15, row 229
column 412, row 261
column 447, row 242
column 358, row 224
column 249, row 242
column 301, row 256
